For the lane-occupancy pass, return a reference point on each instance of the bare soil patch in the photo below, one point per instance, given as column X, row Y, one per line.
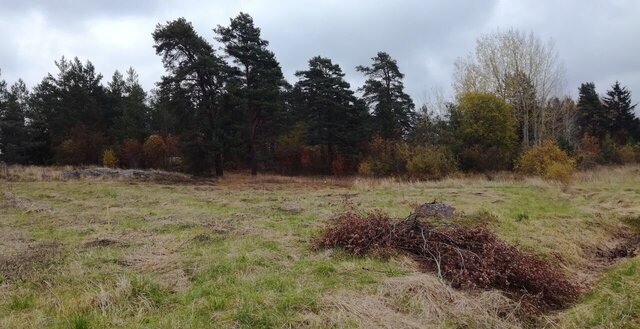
column 105, row 242
column 34, row 256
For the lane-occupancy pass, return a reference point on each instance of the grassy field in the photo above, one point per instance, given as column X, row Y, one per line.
column 93, row 253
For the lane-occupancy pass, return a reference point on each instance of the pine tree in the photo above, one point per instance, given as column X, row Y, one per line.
column 197, row 80
column 333, row 116
column 14, row 135
column 625, row 124
column 73, row 98
column 3, row 115
column 383, row 92
column 129, row 98
column 592, row 118
column 260, row 77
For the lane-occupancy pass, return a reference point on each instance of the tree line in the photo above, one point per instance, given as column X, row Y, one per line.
column 232, row 108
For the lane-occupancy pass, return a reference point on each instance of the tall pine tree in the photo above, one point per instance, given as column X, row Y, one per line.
column 393, row 109
column 14, row 132
column 69, row 114
column 260, row 78
column 3, row 109
column 196, row 79
column 133, row 113
column 333, row 116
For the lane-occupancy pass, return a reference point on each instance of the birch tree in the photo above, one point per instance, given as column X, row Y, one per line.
column 508, row 63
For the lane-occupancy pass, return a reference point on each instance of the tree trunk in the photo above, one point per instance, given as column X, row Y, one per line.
column 253, row 161
column 218, row 165
column 331, row 156
column 253, row 131
column 525, row 132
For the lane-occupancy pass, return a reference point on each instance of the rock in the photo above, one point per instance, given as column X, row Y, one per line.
column 434, row 209
column 110, row 173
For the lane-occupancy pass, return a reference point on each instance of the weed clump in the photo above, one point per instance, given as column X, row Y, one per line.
column 466, row 257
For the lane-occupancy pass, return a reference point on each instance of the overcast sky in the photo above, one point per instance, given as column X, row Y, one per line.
column 597, row 40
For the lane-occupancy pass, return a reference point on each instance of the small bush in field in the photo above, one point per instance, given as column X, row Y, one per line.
column 589, row 152
column 311, row 159
column 83, row 146
column 625, row 154
column 608, row 149
column 339, row 165
column 548, row 161
column 386, row 158
column 288, row 151
column 170, row 145
column 109, row 158
column 131, row 153
column 154, row 151
column 431, row 162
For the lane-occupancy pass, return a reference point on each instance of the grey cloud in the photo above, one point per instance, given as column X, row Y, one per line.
column 596, row 39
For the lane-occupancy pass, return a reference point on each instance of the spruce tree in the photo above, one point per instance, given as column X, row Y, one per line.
column 259, row 74
column 591, row 116
column 625, row 124
column 383, row 91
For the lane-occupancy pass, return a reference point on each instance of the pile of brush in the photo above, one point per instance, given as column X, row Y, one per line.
column 465, row 257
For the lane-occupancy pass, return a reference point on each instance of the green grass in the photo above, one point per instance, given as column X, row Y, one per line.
column 236, row 253
column 613, row 303
column 21, row 303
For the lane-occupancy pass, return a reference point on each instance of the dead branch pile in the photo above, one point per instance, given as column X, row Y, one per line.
column 466, row 257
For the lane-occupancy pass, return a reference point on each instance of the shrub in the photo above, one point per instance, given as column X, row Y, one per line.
column 636, row 149
column 431, row 162
column 83, row 146
column 386, row 158
column 339, row 165
column 197, row 155
column 486, row 131
column 154, row 150
column 311, row 159
column 171, row 146
column 608, row 149
column 548, row 161
column 288, row 153
column 131, row 153
column 589, row 152
column 625, row 154
column 109, row 158
column 172, row 153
